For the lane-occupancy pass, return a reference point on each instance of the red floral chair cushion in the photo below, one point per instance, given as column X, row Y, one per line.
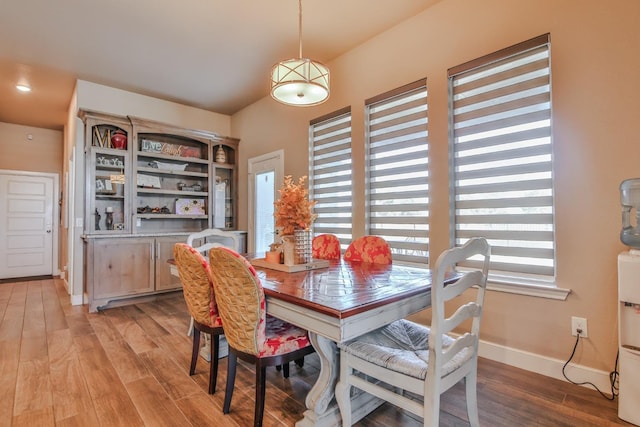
column 326, row 246
column 243, row 309
column 369, row 249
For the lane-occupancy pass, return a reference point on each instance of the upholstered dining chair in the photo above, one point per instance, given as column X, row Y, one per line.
column 193, row 269
column 253, row 336
column 424, row 361
column 206, row 239
column 325, row 246
column 369, row 249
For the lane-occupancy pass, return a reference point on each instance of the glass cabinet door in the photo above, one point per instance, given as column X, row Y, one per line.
column 223, row 199
column 109, row 207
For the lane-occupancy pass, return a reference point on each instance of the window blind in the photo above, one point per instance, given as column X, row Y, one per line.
column 330, row 176
column 502, row 157
column 398, row 171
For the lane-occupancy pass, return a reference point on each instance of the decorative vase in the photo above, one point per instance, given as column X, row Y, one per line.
column 272, row 257
column 109, row 218
column 288, row 249
column 119, row 140
column 221, row 156
column 303, row 242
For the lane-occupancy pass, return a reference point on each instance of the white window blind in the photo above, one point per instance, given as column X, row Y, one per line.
column 330, row 177
column 502, row 158
column 398, row 171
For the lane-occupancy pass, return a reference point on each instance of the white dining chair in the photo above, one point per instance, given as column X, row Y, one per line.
column 414, row 358
column 207, row 239
column 213, row 237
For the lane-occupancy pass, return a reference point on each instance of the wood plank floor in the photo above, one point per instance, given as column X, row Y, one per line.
column 128, row 366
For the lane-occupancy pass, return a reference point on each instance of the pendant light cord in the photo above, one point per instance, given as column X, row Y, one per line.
column 300, row 27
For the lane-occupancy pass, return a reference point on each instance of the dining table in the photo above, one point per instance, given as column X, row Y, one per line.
column 337, row 303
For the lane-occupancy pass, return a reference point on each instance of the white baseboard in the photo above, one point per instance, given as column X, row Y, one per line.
column 77, row 299
column 544, row 365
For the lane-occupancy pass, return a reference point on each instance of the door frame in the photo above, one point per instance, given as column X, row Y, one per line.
column 55, row 243
column 278, row 156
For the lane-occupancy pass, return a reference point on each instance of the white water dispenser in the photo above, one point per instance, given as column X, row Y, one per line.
column 629, row 305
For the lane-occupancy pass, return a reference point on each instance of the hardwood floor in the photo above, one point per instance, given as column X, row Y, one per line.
column 128, row 366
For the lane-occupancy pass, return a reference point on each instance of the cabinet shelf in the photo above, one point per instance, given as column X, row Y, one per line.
column 172, row 172
column 170, row 157
column 160, row 191
column 109, row 196
column 109, row 168
column 170, row 216
column 224, row 165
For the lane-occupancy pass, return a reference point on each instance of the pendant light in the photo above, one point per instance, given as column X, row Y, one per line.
column 301, row 81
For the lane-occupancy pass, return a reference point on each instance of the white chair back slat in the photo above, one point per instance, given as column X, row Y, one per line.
column 229, row 240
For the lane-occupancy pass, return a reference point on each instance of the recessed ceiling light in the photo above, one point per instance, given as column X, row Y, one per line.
column 23, row 88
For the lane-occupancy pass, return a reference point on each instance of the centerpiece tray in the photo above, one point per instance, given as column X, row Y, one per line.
column 313, row 265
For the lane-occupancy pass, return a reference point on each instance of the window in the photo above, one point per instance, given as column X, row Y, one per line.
column 502, row 159
column 398, row 171
column 330, row 176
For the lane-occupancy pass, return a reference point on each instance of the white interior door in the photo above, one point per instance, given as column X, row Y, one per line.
column 27, row 225
column 266, row 173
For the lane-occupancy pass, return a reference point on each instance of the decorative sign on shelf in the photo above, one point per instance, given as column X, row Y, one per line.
column 149, row 146
column 190, row 207
column 148, row 181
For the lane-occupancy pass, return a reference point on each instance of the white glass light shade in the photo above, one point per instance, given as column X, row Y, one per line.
column 300, row 82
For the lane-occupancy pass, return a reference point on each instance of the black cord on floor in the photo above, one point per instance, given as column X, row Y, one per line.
column 613, row 376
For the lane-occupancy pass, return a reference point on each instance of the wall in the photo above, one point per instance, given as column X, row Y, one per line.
column 42, row 153
column 92, row 96
column 105, row 99
column 594, row 66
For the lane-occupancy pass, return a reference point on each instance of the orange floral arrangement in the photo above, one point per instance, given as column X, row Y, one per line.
column 294, row 210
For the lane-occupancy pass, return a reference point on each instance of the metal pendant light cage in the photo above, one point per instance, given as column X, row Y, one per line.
column 301, row 81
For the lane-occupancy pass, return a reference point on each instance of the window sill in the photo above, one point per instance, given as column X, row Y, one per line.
column 529, row 289
column 518, row 286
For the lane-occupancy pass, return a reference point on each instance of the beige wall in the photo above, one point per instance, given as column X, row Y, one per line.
column 41, row 153
column 93, row 96
column 26, row 148
column 595, row 60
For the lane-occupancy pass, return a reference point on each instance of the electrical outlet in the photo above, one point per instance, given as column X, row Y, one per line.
column 579, row 323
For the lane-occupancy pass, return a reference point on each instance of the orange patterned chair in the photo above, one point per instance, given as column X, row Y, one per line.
column 253, row 336
column 326, row 246
column 369, row 249
column 194, row 273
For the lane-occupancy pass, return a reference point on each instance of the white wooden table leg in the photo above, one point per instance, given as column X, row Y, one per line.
column 322, row 409
column 322, row 392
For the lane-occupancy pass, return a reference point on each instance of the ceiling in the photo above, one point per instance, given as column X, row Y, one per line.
column 211, row 54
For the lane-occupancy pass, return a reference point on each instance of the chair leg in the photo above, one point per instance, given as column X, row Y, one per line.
column 194, row 352
column 432, row 401
column 472, row 398
column 285, row 370
column 231, row 379
column 343, row 391
column 213, row 367
column 261, row 376
column 300, row 362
